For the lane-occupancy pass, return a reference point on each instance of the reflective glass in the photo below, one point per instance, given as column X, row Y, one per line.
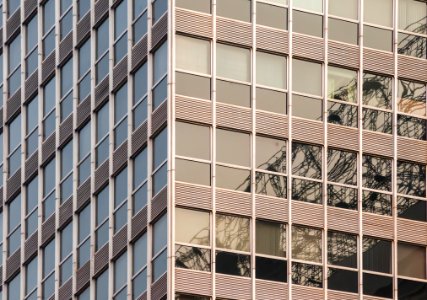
column 235, row 9
column 193, row 85
column 270, row 238
column 193, row 54
column 233, row 93
column 227, row 142
column 232, row 232
column 377, row 285
column 198, row 5
column 307, row 275
column 192, row 140
column 371, row 9
column 412, row 97
column 233, row 179
column 377, row 255
column 233, row 62
column 300, row 70
column 270, row 269
column 344, row 8
column 306, row 243
column 193, row 172
column 412, row 16
column 314, row 5
column 307, row 160
column 233, row 264
column 342, row 166
column 160, row 62
column 271, row 16
column 193, row 258
column 270, row 100
column 342, row 197
column 411, row 260
column 377, row 173
column 342, row 249
column 271, row 70
column 308, row 23
column 271, row 154
column 343, row 280
column 307, row 191
column 378, row 38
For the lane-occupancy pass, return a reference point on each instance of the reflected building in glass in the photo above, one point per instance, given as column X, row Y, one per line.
column 213, row 149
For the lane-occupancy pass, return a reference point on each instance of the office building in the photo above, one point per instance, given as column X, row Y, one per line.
column 213, row 149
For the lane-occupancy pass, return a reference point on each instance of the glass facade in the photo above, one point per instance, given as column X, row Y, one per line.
column 213, row 149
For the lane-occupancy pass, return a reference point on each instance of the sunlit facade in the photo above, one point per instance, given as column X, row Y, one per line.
column 213, row 149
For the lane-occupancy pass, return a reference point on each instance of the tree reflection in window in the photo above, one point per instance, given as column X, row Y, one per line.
column 377, row 173
column 307, row 160
column 193, row 258
column 377, row 203
column 232, row 232
column 342, row 166
column 342, row 249
column 411, row 179
column 342, row 197
column 307, row 275
column 307, row 191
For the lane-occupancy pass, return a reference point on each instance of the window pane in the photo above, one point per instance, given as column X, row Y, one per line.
column 160, row 148
column 193, row 54
column 371, row 9
column 233, row 264
column 306, row 244
column 233, row 179
column 232, row 232
column 307, row 275
column 411, row 179
column 342, row 166
column 377, row 38
column 411, row 127
column 160, row 234
column 307, row 160
column 271, row 185
column 377, row 173
column 376, row 120
column 271, row 154
column 160, row 265
column 271, row 70
column 102, row 286
column 412, row 289
column 270, row 238
column 307, row 23
column 412, row 16
column 412, row 45
column 344, row 8
column 307, row 190
column 193, row 85
column 227, row 142
column 314, row 5
column 236, row 9
column 160, row 62
column 140, row 168
column 342, row 249
column 102, row 39
column 411, row 260
column 233, row 93
column 300, row 70
column 159, row 8
column 192, row 140
column 412, row 209
column 377, row 255
column 140, row 253
column 376, row 285
column 343, row 280
column 193, row 172
column 271, row 269
column 342, row 84
column 233, row 62
column 376, row 203
column 272, row 16
column 342, row 197
column 120, row 18
column 198, row 5
column 192, row 226
column 120, row 272
column 270, row 100
column 412, row 97
column 193, row 258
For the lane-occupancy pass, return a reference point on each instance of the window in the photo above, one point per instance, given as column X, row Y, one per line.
column 271, row 70
column 14, row 225
column 102, row 44
column 233, row 179
column 83, row 237
column 120, row 199
column 271, row 241
column 49, row 102
column 66, row 254
column 198, row 5
column 101, row 219
column 342, row 249
column 159, row 9
column 193, row 54
column 160, row 66
column 159, row 161
column 378, row 38
column 49, row 189
column 270, row 160
column 411, row 260
column 120, row 277
column 48, row 271
column 271, row 100
column 120, row 116
column 159, row 261
column 235, row 9
column 102, row 135
column 84, row 71
column 140, row 181
column 101, row 290
column 411, row 179
column 31, row 59
column 66, row 18
column 377, row 258
column 120, row 31
column 14, row 288
column 308, row 23
column 232, row 233
column 32, row 135
column 412, row 209
column 272, row 15
column 66, row 90
column 31, row 208
column 233, row 63
column 307, row 246
column 31, row 275
column 140, row 82
column 412, row 18
column 300, row 70
column 306, row 162
column 344, row 8
column 313, row 5
column 66, row 172
column 139, row 19
column 14, row 145
column 192, row 227
column 14, row 67
column 83, row 7
column 48, row 27
column 412, row 109
column 13, row 5
column 342, row 169
column 371, row 9
column 84, row 153
column 233, row 93
column 227, row 142
column 139, row 278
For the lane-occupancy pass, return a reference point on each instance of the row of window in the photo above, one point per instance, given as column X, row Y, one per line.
column 233, row 71
column 342, row 23
column 233, row 171
column 232, row 255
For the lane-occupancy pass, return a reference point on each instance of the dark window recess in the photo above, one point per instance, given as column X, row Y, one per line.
column 411, row 290
column 343, row 280
column 233, row 264
column 412, row 209
column 378, row 286
column 271, row 269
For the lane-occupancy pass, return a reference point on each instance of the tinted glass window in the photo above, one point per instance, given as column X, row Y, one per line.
column 272, row 16
column 233, row 62
column 160, row 63
column 233, row 264
column 232, row 232
column 192, row 140
column 377, row 173
column 343, row 280
column 307, row 23
column 193, row 85
column 342, row 84
column 270, row 100
column 378, row 38
column 199, row 5
column 270, row 238
column 307, row 275
column 271, row 70
column 234, row 9
column 412, row 15
column 233, row 179
column 160, row 234
column 233, row 93
column 342, row 249
column 411, row 179
column 227, row 142
column 344, row 8
column 377, row 255
column 307, row 160
column 193, row 54
column 411, row 260
column 192, row 226
column 271, row 269
column 300, row 70
column 376, row 285
column 371, row 9
column 160, row 148
column 412, row 97
column 193, row 172
column 306, row 243
column 270, row 154
column 342, row 166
